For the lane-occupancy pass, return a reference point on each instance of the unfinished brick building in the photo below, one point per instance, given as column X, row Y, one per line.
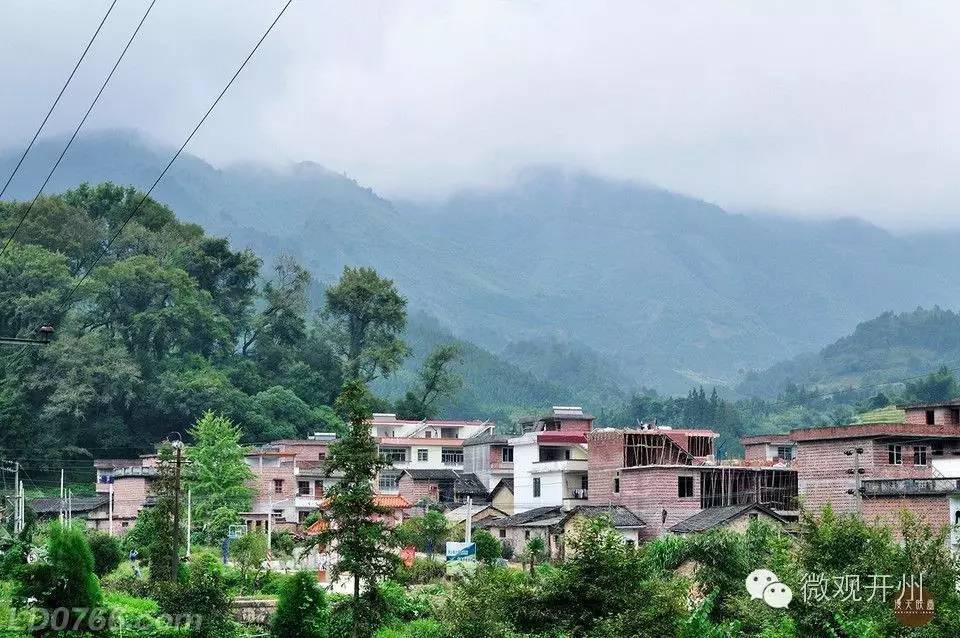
column 877, row 470
column 666, row 476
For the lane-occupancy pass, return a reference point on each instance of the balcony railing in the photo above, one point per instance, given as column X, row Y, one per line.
column 908, row 487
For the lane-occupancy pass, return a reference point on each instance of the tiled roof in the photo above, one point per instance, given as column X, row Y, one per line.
column 504, row 484
column 459, row 515
column 547, row 515
column 621, row 516
column 316, row 527
column 393, row 501
column 951, row 403
column 464, row 483
column 77, row 504
column 716, row 516
column 765, row 438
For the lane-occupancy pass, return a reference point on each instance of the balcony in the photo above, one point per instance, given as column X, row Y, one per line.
column 307, row 501
column 566, row 465
column 910, row 487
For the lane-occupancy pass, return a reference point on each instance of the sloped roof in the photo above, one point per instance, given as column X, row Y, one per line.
column 543, row 515
column 459, row 515
column 483, row 439
column 393, row 501
column 621, row 516
column 464, row 482
column 716, row 516
column 77, row 504
column 504, row 484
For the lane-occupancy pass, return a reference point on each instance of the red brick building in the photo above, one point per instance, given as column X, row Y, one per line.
column 878, row 469
column 666, row 476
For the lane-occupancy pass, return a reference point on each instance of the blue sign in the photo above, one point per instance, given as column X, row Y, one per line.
column 461, row 551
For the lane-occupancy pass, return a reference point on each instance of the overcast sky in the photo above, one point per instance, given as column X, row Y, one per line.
column 800, row 107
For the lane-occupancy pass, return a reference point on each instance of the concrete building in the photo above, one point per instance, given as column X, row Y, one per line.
column 490, row 457
column 421, row 445
column 550, row 460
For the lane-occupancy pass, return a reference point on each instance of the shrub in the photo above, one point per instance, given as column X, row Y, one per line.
column 422, row 628
column 423, row 571
column 200, row 590
column 488, row 548
column 107, row 553
column 302, row 609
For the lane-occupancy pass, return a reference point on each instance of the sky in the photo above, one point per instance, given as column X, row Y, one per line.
column 804, row 108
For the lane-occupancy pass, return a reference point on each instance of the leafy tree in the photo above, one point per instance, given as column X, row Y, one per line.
column 65, row 579
column 434, row 530
column 107, row 554
column 488, row 547
column 368, row 315
column 280, row 323
column 360, row 540
column 301, row 609
column 200, row 591
column 536, row 549
column 249, row 551
column 436, row 381
column 164, row 545
column 33, row 282
column 218, row 476
column 936, row 386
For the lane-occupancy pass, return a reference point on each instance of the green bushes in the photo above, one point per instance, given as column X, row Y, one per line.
column 488, row 548
column 423, row 571
column 107, row 553
column 302, row 609
column 200, row 591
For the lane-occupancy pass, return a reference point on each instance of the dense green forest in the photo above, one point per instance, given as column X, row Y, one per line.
column 172, row 322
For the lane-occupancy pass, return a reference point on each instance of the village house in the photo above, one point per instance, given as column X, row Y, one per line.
column 488, row 456
column 667, row 475
column 443, row 487
column 420, row 445
column 550, row 460
column 877, row 469
column 734, row 518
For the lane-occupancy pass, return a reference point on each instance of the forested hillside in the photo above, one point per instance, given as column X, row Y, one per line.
column 671, row 290
column 888, row 348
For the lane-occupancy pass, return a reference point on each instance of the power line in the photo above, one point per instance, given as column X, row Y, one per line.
column 77, row 130
column 143, row 199
column 57, row 100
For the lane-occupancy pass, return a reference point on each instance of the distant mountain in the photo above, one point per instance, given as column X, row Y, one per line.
column 888, row 348
column 671, row 290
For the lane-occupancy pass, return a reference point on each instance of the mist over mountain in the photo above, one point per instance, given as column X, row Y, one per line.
column 665, row 289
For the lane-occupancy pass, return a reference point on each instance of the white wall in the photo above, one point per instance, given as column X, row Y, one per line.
column 946, row 468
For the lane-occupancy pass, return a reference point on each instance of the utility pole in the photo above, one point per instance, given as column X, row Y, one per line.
column 189, row 519
column 175, row 555
column 467, row 530
column 856, row 471
column 61, row 496
column 16, row 498
column 110, row 511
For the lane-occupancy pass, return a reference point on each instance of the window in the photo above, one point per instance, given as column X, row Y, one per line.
column 684, row 486
column 389, row 481
column 302, row 515
column 318, row 488
column 930, row 417
column 955, row 416
column 394, row 454
column 936, row 448
column 536, row 487
column 583, row 482
column 894, row 454
column 616, row 483
column 124, row 524
column 428, row 434
column 448, row 433
column 566, row 455
column 919, row 454
column 321, row 456
column 451, row 456
column 277, row 514
column 423, row 454
column 278, row 486
column 507, row 454
column 785, row 452
column 503, row 533
column 526, row 534
column 303, row 488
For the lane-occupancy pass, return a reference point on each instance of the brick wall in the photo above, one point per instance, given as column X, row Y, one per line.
column 821, row 472
column 415, row 491
column 129, row 494
column 605, row 458
column 933, row 510
column 755, row 451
